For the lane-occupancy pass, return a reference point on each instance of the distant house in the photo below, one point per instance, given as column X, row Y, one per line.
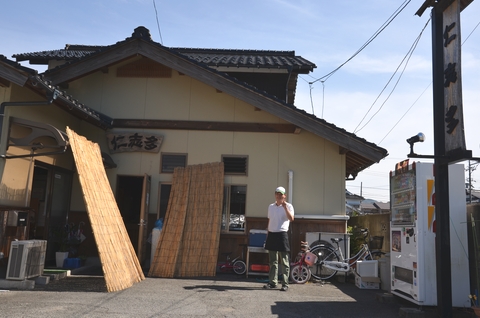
column 374, row 207
column 358, row 205
column 473, row 196
column 353, row 203
column 151, row 109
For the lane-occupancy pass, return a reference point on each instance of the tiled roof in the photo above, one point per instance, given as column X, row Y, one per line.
column 247, row 58
column 211, row 57
column 70, row 52
column 16, row 65
column 38, row 83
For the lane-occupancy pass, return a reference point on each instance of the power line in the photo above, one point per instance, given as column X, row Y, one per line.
column 382, row 27
column 158, row 24
column 400, row 119
column 407, row 58
column 471, row 32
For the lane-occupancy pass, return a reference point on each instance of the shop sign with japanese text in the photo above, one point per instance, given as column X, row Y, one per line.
column 134, row 141
column 454, row 127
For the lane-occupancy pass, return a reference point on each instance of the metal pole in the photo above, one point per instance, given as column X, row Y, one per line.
column 469, row 182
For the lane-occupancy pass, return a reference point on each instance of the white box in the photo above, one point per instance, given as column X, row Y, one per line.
column 367, row 268
column 155, row 239
column 367, row 282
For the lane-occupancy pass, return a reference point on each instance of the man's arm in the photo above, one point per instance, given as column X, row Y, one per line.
column 289, row 213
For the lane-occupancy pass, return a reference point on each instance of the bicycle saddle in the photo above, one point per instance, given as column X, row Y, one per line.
column 336, row 239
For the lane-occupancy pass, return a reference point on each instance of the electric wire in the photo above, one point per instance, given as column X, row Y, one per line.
column 471, row 33
column 370, row 40
column 407, row 58
column 311, row 99
column 400, row 119
column 158, row 24
column 323, row 97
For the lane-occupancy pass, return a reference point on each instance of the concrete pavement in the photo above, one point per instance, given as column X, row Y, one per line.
column 225, row 295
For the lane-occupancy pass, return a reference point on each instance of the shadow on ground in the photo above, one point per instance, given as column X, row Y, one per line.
column 95, row 284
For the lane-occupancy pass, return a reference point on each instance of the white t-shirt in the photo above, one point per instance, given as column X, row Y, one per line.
column 278, row 221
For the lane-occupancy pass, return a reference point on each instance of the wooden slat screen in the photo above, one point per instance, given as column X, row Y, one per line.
column 120, row 264
column 190, row 237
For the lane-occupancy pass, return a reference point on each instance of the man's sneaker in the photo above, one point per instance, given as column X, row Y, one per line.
column 269, row 286
column 284, row 288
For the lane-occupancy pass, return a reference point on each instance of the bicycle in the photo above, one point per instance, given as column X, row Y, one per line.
column 237, row 265
column 299, row 270
column 330, row 260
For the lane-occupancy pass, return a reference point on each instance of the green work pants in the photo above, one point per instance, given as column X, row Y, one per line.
column 273, row 257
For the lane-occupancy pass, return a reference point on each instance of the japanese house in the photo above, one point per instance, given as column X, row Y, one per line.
column 152, row 108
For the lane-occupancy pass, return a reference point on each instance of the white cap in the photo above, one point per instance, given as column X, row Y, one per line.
column 280, row 189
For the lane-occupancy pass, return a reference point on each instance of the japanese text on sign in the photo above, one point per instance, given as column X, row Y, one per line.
column 130, row 141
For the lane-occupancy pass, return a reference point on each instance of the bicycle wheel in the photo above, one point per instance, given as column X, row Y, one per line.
column 321, row 243
column 300, row 274
column 323, row 253
column 239, row 267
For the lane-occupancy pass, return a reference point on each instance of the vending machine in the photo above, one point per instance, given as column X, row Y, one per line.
column 412, row 234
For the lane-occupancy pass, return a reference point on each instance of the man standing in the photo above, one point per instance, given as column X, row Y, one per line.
column 280, row 214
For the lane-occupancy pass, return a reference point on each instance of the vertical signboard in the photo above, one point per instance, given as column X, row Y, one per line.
column 454, row 127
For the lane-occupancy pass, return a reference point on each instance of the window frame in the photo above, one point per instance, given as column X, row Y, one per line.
column 245, row 173
column 226, row 209
column 165, row 154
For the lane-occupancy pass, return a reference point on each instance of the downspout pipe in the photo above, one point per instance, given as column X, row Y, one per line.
column 40, row 103
column 290, row 186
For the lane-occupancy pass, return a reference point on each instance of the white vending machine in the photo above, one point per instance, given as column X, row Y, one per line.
column 412, row 234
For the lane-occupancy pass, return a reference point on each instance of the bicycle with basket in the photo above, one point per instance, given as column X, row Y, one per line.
column 329, row 259
column 300, row 269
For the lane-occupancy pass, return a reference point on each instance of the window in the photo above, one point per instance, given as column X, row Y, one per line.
column 171, row 161
column 235, row 165
column 233, row 212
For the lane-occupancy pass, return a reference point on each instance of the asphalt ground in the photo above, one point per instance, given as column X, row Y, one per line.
column 225, row 295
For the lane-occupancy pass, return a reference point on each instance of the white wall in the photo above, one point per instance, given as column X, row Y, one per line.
column 319, row 169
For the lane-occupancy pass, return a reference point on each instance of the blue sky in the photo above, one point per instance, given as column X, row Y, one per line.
column 327, row 33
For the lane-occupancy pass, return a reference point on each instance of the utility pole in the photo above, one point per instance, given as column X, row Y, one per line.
column 449, row 137
column 471, row 168
column 469, row 182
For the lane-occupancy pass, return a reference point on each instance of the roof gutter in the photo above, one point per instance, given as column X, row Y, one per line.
column 50, row 98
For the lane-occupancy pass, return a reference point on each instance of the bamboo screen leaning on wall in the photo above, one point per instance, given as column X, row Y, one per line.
column 120, row 264
column 190, row 237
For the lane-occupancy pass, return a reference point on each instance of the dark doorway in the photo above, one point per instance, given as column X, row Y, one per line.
column 129, row 200
column 50, row 201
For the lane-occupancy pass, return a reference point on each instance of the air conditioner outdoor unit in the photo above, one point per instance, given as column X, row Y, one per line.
column 26, row 259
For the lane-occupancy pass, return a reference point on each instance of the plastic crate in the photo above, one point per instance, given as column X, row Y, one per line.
column 259, row 268
column 71, row 263
column 376, row 243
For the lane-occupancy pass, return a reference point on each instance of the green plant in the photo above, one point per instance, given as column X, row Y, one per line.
column 65, row 239
column 356, row 239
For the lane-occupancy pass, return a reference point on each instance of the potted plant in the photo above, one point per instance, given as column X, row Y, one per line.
column 60, row 239
column 67, row 238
